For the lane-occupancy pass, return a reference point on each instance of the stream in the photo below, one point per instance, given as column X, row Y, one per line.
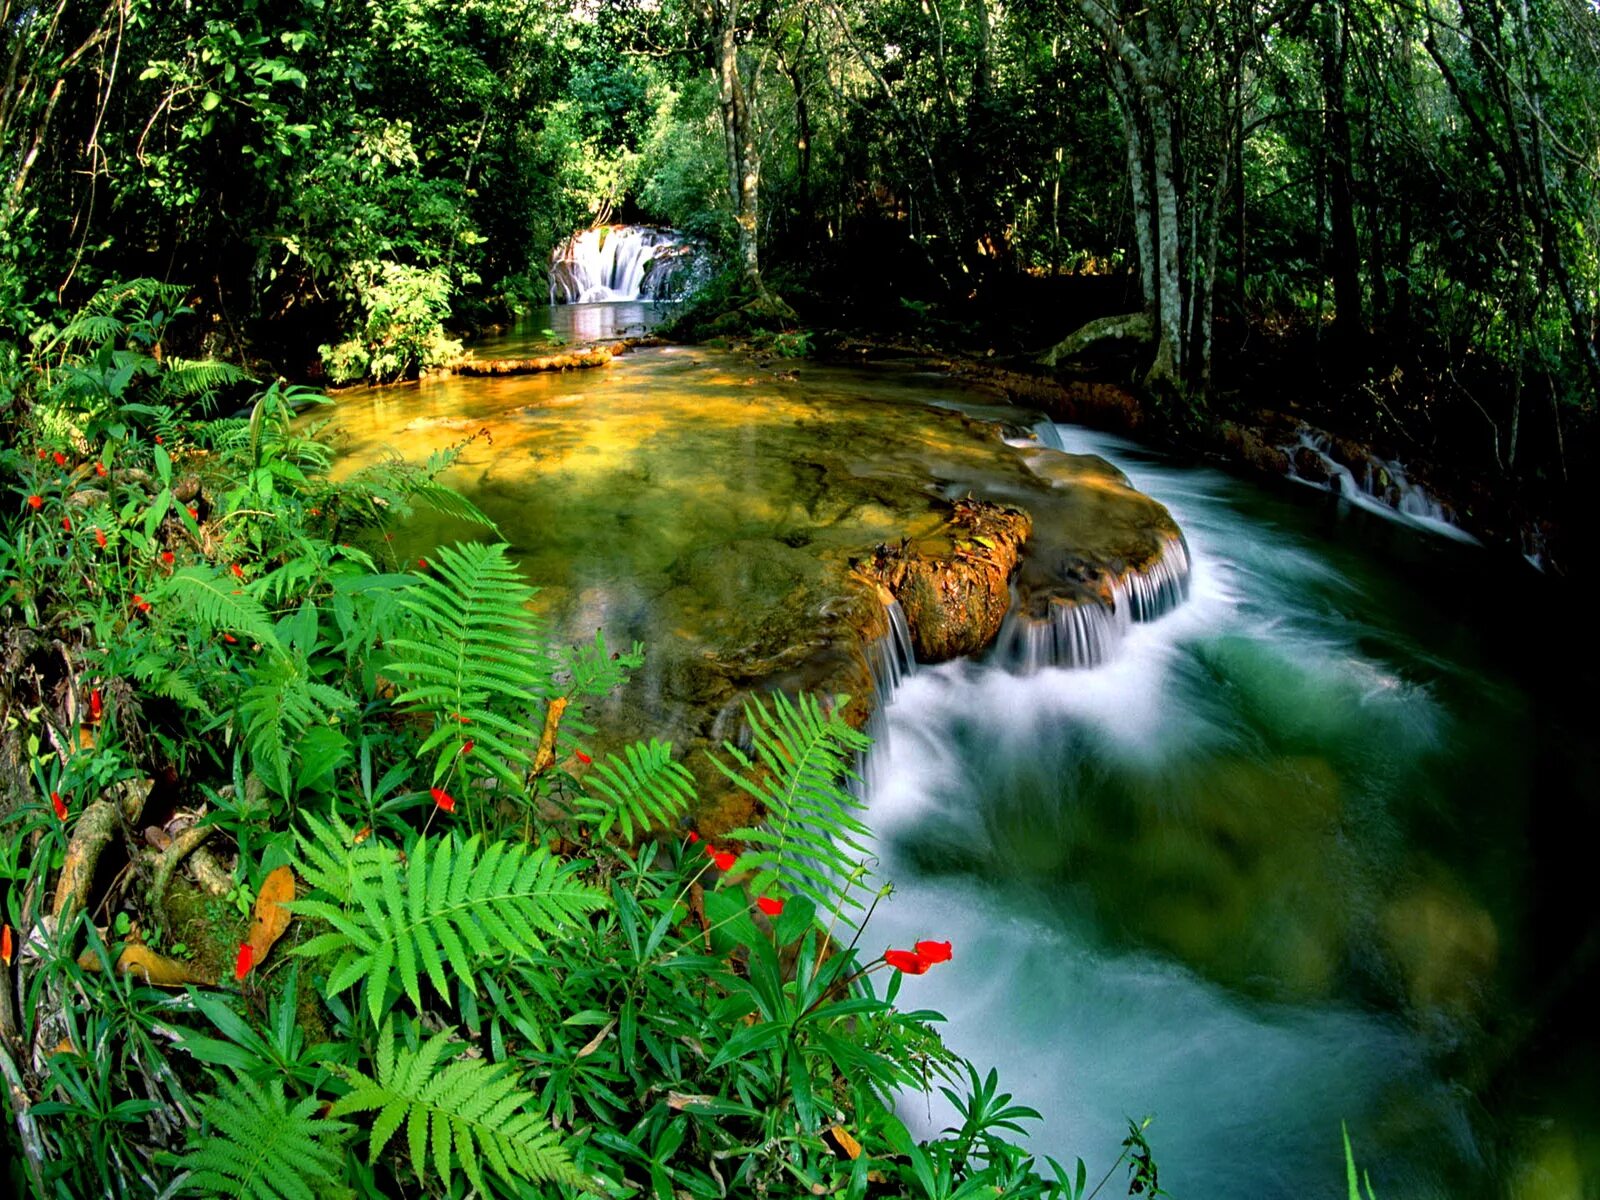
column 1306, row 849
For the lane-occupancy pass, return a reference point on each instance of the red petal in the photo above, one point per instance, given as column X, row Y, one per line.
column 5, row 945
column 60, row 805
column 724, row 859
column 443, row 799
column 584, row 758
column 770, row 906
column 66, row 523
column 905, row 960
column 61, row 459
column 96, row 704
column 237, row 570
column 246, row 960
column 35, row 502
column 100, row 539
column 693, row 837
column 100, row 469
column 933, row 952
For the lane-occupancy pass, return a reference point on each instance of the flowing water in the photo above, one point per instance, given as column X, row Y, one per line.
column 1307, row 848
column 1293, row 855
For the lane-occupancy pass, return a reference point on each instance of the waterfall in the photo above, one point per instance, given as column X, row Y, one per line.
column 1382, row 486
column 1081, row 630
column 624, row 262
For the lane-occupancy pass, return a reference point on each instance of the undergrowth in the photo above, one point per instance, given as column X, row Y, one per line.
column 448, row 950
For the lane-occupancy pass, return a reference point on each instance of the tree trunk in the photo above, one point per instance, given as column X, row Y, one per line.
column 1344, row 263
column 1166, row 372
column 738, row 133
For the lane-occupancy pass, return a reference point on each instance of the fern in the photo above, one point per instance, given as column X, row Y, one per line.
column 443, row 902
column 477, row 1109
column 215, row 603
column 478, row 648
column 282, row 703
column 259, row 1147
column 643, row 789
column 801, row 764
column 189, row 379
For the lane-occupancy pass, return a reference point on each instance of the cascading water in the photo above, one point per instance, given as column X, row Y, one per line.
column 624, row 262
column 1382, row 486
column 1218, row 873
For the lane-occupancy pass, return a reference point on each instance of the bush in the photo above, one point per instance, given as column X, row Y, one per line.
column 401, row 332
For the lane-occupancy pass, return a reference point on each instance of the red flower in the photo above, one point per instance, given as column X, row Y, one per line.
column 443, row 799
column 906, row 960
column 583, row 758
column 466, row 747
column 933, row 952
column 166, row 558
column 100, row 469
column 66, row 523
column 36, row 502
column 99, row 538
column 230, row 639
column 5, row 945
column 246, row 960
column 723, row 858
column 770, row 906
column 41, row 453
column 693, row 837
column 422, row 563
column 194, row 513
column 61, row 459
column 159, row 442
column 316, row 512
column 140, row 604
column 60, row 805
column 96, row 705
column 238, row 571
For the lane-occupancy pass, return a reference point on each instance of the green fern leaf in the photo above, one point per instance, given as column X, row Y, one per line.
column 643, row 789
column 476, row 661
column 213, row 602
column 476, row 1110
column 803, row 761
column 259, row 1147
column 446, row 902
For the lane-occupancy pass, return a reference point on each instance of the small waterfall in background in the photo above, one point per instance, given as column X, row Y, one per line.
column 625, row 262
column 1381, row 486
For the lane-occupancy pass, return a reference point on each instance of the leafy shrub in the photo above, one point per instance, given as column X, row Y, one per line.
column 401, row 329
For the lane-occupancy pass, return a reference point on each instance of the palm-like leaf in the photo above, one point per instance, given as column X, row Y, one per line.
column 447, row 902
column 259, row 1147
column 478, row 1110
column 476, row 660
column 642, row 789
column 802, row 763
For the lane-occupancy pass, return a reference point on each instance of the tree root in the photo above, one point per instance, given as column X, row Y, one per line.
column 186, row 843
column 92, row 834
column 1130, row 327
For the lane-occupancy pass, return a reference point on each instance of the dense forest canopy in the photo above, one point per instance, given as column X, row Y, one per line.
column 1407, row 191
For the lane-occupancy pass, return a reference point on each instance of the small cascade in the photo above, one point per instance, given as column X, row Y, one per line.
column 1081, row 630
column 892, row 661
column 1381, row 485
column 624, row 262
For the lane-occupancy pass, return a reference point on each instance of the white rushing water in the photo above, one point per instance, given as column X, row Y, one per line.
column 1189, row 738
column 622, row 263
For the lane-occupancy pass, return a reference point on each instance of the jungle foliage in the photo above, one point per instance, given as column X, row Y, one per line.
column 430, row 944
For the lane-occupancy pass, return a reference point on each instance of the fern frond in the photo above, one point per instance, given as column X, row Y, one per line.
column 477, row 661
column 331, row 860
column 478, row 1110
column 445, row 902
column 91, row 329
column 643, row 789
column 259, row 1147
column 186, row 379
column 799, row 774
column 161, row 677
column 278, row 708
column 215, row 603
column 448, row 501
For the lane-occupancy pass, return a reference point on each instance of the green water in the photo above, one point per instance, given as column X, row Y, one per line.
column 1311, row 848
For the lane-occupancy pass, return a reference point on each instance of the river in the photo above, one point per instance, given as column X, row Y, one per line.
column 1310, row 848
